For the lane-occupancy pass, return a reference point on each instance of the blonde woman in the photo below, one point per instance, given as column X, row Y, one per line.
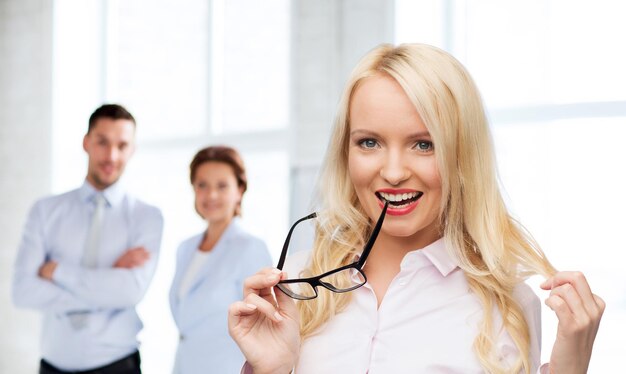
column 442, row 290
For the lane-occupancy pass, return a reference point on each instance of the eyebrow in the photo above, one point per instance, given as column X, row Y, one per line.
column 420, row 134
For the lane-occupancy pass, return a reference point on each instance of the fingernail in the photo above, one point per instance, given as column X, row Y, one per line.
column 251, row 306
column 278, row 317
column 272, row 278
column 276, row 271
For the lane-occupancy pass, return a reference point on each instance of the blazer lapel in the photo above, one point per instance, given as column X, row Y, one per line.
column 184, row 260
column 219, row 251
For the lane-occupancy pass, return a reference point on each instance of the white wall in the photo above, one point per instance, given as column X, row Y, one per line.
column 25, row 146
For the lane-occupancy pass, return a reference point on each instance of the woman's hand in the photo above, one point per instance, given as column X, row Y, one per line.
column 266, row 328
column 579, row 312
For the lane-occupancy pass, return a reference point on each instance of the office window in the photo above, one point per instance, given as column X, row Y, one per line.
column 545, row 52
column 160, row 67
column 250, row 65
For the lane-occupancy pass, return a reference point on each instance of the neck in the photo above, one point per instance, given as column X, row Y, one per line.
column 94, row 183
column 213, row 234
column 389, row 250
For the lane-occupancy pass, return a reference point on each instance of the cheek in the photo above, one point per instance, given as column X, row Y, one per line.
column 197, row 201
column 125, row 156
column 199, row 196
column 95, row 154
column 429, row 174
column 234, row 197
column 358, row 170
column 432, row 179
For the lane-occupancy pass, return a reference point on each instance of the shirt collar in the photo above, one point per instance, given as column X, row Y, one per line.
column 436, row 254
column 112, row 194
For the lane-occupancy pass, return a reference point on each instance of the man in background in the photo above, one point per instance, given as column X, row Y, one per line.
column 87, row 257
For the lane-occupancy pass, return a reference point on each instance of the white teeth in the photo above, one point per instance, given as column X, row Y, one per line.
column 398, row 197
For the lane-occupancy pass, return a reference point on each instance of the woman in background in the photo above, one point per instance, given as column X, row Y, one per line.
column 211, row 266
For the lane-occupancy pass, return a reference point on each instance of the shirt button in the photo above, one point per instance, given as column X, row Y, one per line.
column 181, row 337
column 402, row 281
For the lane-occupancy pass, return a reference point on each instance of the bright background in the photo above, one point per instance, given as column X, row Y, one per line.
column 265, row 77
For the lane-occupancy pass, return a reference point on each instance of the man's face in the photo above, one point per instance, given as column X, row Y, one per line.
column 109, row 144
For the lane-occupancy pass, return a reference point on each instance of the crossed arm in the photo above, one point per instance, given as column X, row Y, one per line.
column 54, row 286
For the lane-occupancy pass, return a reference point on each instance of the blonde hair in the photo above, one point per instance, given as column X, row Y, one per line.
column 493, row 250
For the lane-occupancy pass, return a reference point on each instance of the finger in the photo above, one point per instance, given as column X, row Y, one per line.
column 237, row 310
column 568, row 293
column 261, row 283
column 559, row 306
column 286, row 304
column 142, row 253
column 600, row 303
column 578, row 280
column 143, row 256
column 138, row 262
column 265, row 307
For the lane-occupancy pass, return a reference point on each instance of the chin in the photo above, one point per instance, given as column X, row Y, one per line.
column 109, row 178
column 406, row 229
column 215, row 217
column 105, row 182
column 400, row 232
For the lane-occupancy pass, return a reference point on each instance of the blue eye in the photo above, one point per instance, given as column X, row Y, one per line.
column 424, row 146
column 368, row 143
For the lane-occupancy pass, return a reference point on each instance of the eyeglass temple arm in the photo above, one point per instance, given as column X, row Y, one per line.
column 283, row 254
column 370, row 242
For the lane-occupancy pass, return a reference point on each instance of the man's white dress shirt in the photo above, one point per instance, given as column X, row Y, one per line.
column 56, row 229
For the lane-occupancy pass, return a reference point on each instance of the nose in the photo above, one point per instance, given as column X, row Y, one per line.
column 394, row 170
column 212, row 193
column 112, row 154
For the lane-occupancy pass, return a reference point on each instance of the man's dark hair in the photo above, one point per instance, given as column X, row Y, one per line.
column 112, row 111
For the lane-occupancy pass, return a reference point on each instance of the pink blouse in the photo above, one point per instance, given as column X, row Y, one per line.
column 426, row 323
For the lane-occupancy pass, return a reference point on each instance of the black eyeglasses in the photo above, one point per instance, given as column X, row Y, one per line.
column 344, row 279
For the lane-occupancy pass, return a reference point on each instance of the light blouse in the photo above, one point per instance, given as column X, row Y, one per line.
column 426, row 323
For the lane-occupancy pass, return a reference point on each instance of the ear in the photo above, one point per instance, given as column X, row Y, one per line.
column 240, row 194
column 85, row 142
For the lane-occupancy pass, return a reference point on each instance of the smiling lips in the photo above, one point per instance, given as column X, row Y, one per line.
column 107, row 167
column 401, row 201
